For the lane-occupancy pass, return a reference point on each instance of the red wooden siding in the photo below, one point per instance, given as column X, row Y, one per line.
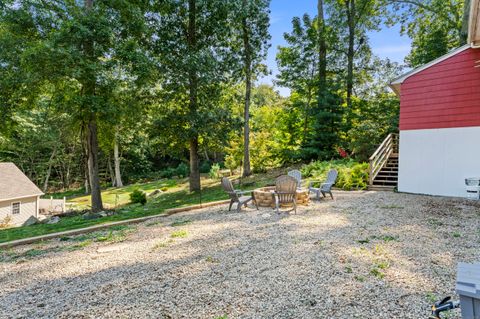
column 445, row 95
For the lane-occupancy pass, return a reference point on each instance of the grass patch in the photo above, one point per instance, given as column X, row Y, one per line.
column 360, row 278
column 179, row 234
column 210, row 259
column 154, row 223
column 176, row 196
column 363, row 241
column 377, row 273
column 456, row 234
column 162, row 244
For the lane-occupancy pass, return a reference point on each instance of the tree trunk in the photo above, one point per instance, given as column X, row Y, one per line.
column 89, row 84
column 194, row 167
column 194, row 179
column 322, row 49
column 86, row 182
column 305, row 122
column 465, row 21
column 93, row 175
column 350, row 7
column 116, row 158
column 49, row 170
column 248, row 89
column 110, row 171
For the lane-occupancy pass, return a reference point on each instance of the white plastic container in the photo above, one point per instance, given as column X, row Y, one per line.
column 472, row 186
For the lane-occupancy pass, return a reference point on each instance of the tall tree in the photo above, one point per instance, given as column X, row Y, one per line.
column 298, row 65
column 67, row 49
column 435, row 26
column 322, row 48
column 353, row 19
column 465, row 21
column 193, row 40
column 253, row 21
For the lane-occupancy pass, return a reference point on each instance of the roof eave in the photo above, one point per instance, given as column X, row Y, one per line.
column 21, row 197
column 396, row 87
column 398, row 81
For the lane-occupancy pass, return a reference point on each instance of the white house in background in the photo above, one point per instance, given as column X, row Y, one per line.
column 19, row 196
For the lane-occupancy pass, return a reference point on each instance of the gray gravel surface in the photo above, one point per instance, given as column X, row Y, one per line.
column 362, row 255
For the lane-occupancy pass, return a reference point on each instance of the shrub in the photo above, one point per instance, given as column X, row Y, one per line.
column 205, row 167
column 182, row 170
column 214, row 171
column 351, row 174
column 168, row 173
column 138, row 196
column 6, row 222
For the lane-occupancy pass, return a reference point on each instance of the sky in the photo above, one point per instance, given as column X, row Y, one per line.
column 388, row 43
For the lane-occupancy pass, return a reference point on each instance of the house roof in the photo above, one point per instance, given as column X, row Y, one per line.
column 14, row 184
column 396, row 84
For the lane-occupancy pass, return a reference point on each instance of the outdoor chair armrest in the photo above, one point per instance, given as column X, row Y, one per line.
column 282, row 193
column 242, row 192
column 327, row 185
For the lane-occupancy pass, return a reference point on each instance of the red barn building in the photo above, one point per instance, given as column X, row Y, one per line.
column 440, row 124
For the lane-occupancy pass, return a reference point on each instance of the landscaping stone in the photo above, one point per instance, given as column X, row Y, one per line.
column 362, row 255
column 53, row 220
column 91, row 215
column 31, row 221
column 155, row 193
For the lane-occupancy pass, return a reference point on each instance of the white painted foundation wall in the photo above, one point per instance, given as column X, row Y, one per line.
column 437, row 161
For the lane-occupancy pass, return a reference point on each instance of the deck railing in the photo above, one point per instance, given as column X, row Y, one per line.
column 388, row 148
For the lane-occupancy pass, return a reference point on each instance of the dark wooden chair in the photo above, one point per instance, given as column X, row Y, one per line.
column 237, row 196
column 285, row 192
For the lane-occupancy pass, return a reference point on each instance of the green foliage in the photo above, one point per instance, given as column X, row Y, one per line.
column 138, row 196
column 351, row 174
column 182, row 170
column 179, row 234
column 214, row 171
column 205, row 167
column 434, row 27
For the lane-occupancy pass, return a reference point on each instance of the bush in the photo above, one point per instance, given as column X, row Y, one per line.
column 205, row 167
column 214, row 171
column 168, row 173
column 351, row 174
column 138, row 196
column 182, row 170
column 6, row 222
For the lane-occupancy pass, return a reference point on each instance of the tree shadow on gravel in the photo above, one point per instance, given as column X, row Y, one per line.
column 317, row 264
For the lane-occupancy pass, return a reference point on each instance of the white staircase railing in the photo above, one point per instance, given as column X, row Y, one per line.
column 388, row 148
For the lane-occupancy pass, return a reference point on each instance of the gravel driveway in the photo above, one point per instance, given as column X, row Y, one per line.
column 363, row 255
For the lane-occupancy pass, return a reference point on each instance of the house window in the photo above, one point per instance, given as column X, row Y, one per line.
column 16, row 208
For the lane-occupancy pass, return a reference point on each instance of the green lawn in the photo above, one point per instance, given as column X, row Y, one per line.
column 115, row 197
column 176, row 195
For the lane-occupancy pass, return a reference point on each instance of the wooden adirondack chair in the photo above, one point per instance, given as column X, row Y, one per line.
column 237, row 196
column 285, row 192
column 297, row 175
column 326, row 187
